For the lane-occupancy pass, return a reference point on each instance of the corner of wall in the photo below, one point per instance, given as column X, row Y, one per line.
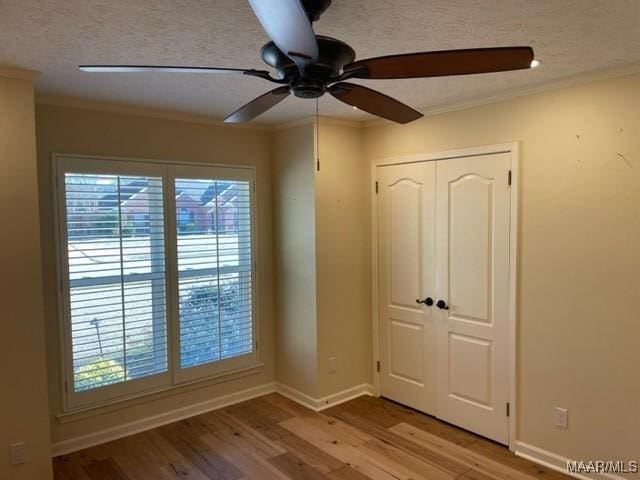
column 23, row 404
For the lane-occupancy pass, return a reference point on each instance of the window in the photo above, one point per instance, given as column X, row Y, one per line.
column 157, row 275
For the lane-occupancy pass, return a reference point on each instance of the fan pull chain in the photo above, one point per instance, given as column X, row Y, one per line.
column 317, row 136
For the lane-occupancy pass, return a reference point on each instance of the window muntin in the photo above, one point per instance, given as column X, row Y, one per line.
column 116, row 277
column 214, row 270
column 155, row 292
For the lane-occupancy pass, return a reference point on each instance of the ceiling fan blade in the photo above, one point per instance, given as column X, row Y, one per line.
column 171, row 69
column 258, row 106
column 159, row 68
column 374, row 102
column 287, row 24
column 441, row 63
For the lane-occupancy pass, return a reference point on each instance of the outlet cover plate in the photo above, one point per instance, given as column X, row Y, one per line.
column 561, row 416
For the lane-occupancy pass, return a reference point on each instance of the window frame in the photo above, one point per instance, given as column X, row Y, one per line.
column 230, row 364
column 174, row 377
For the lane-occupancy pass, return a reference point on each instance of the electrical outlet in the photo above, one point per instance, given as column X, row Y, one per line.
column 561, row 417
column 332, row 365
column 17, row 453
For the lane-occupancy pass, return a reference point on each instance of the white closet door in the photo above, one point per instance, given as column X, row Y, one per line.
column 472, row 252
column 406, row 274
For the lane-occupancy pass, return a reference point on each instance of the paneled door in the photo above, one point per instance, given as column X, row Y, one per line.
column 406, row 220
column 472, row 258
column 443, row 235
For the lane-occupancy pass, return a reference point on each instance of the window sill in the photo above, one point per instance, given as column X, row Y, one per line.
column 155, row 394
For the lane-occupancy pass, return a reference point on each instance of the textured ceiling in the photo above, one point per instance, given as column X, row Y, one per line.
column 569, row 37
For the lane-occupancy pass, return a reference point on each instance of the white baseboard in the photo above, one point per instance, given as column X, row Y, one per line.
column 319, row 404
column 131, row 428
column 126, row 429
column 555, row 462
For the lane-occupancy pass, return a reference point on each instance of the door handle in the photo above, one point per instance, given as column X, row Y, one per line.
column 427, row 301
column 442, row 305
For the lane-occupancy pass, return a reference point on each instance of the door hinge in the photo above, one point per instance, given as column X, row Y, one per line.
column 376, row 186
column 508, row 410
column 509, row 178
column 378, row 366
column 318, row 164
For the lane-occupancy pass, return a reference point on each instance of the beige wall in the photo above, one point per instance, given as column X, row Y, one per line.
column 579, row 266
column 343, row 259
column 23, row 405
column 294, row 234
column 322, row 258
column 67, row 130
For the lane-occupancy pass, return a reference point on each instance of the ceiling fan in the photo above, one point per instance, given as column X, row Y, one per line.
column 310, row 65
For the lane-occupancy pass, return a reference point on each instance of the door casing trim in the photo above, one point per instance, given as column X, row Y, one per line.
column 512, row 148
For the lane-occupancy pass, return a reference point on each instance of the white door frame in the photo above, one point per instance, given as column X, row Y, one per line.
column 513, row 149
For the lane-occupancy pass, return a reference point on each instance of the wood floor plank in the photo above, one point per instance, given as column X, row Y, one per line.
column 197, row 453
column 502, row 455
column 274, row 438
column 66, row 467
column 251, row 465
column 299, row 447
column 295, row 468
column 388, row 413
column 344, row 431
column 347, row 453
column 136, row 456
column 369, row 426
column 60, row 474
column 163, row 449
column 347, row 473
column 232, row 429
column 383, row 453
column 144, row 449
column 267, row 427
column 413, row 463
column 310, row 454
column 183, row 470
column 459, row 454
column 104, row 470
column 474, row 475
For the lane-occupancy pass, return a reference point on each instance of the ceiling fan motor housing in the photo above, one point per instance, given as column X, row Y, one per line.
column 315, row 8
column 333, row 56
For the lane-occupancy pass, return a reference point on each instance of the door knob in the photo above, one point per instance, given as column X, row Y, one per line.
column 442, row 305
column 427, row 301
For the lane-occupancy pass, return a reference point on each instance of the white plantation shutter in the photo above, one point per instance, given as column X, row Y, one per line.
column 213, row 228
column 116, row 277
column 157, row 275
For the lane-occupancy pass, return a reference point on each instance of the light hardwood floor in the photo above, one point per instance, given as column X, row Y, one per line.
column 272, row 437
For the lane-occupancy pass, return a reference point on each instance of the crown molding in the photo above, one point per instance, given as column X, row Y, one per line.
column 572, row 81
column 126, row 109
column 18, row 73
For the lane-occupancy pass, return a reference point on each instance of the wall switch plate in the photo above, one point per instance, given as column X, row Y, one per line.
column 17, row 453
column 561, row 417
column 332, row 365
